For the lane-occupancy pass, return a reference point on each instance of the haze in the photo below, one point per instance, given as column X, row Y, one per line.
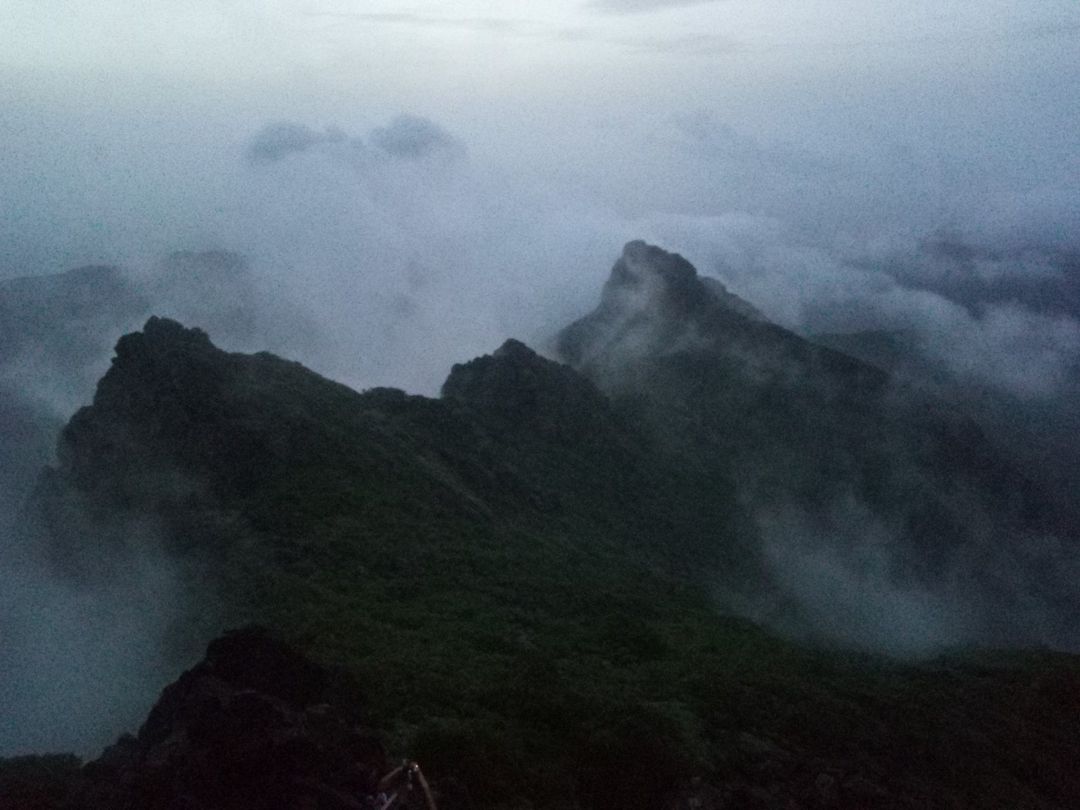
column 780, row 138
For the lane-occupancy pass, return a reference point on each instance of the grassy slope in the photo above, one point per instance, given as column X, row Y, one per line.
column 519, row 625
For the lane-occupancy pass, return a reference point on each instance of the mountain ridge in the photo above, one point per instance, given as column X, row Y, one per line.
column 836, row 446
column 533, row 577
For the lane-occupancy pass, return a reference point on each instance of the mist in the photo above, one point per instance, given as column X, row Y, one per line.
column 84, row 661
column 405, row 190
column 406, row 216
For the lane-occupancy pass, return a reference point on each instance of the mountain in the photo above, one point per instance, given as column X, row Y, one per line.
column 1040, row 434
column 57, row 333
column 534, row 579
column 838, row 460
column 202, row 439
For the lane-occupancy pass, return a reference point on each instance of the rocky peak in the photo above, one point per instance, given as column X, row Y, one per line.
column 517, row 352
column 653, row 302
column 254, row 725
column 646, row 277
column 509, row 373
column 516, row 386
column 157, row 367
column 173, row 401
column 161, row 334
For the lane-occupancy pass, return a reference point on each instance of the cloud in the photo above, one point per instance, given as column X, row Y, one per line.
column 405, row 137
column 1011, row 329
column 491, row 25
column 279, row 140
column 403, row 256
column 85, row 658
column 635, row 6
column 412, row 137
column 687, row 44
column 839, row 569
column 692, row 44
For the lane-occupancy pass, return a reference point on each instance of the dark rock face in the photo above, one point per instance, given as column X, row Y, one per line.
column 556, row 429
column 183, row 427
column 38, row 782
column 57, row 331
column 55, row 335
column 254, row 725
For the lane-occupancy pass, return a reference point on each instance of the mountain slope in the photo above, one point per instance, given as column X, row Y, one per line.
column 401, row 535
column 185, row 429
column 500, row 572
column 858, row 482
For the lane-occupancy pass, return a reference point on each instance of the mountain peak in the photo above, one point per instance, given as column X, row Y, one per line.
column 517, row 386
column 673, row 279
column 653, row 300
column 517, row 351
column 149, row 354
column 646, row 276
column 160, row 331
column 640, row 256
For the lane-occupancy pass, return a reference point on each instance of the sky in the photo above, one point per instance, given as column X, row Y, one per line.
column 772, row 142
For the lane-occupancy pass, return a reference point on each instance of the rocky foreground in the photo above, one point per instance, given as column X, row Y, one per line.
column 253, row 726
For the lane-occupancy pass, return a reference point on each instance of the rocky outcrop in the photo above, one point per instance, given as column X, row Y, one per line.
column 654, row 304
column 527, row 393
column 253, row 726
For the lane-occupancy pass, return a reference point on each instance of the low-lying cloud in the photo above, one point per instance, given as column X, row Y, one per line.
column 275, row 142
column 84, row 660
column 407, row 137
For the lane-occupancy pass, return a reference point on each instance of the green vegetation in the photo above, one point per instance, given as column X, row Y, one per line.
column 526, row 587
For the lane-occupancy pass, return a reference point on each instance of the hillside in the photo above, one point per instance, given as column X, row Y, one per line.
column 845, row 468
column 534, row 578
column 478, row 565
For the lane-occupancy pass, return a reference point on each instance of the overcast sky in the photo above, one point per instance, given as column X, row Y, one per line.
column 734, row 130
column 993, row 80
